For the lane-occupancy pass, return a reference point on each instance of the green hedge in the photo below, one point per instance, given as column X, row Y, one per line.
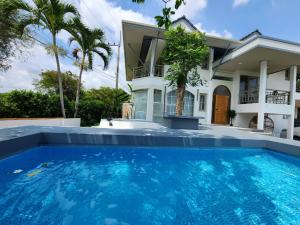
column 94, row 105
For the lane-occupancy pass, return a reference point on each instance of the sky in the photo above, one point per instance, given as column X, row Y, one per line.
column 228, row 18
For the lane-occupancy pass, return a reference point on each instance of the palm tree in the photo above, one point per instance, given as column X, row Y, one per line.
column 91, row 42
column 50, row 15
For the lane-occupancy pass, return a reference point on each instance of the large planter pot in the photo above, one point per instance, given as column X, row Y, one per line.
column 181, row 122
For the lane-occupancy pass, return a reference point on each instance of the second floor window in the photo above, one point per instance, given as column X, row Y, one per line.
column 287, row 74
column 202, row 102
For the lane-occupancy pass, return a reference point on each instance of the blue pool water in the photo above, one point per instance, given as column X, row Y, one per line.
column 140, row 186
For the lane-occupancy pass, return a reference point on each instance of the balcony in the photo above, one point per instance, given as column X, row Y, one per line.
column 277, row 97
column 272, row 97
column 144, row 71
column 248, row 97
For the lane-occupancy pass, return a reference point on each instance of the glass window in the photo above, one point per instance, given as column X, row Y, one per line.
column 157, row 106
column 202, row 102
column 287, row 74
column 188, row 104
column 140, row 104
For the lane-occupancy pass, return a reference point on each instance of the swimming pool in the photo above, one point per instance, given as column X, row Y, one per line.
column 146, row 185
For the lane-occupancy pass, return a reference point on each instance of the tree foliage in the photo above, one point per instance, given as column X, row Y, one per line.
column 94, row 105
column 89, row 42
column 11, row 40
column 47, row 83
column 26, row 104
column 51, row 15
column 184, row 52
column 164, row 20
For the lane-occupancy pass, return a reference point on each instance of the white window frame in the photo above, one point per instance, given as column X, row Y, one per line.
column 202, row 102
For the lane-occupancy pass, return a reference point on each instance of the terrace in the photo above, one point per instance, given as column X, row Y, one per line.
column 271, row 97
column 144, row 71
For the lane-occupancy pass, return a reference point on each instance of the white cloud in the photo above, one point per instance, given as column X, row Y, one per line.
column 237, row 3
column 225, row 33
column 22, row 73
column 191, row 9
column 95, row 13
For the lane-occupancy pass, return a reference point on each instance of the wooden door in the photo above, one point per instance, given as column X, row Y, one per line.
column 221, row 109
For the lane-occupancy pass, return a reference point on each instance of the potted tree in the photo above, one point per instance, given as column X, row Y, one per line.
column 232, row 115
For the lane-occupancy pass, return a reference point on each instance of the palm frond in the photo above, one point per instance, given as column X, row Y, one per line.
column 102, row 56
column 104, row 46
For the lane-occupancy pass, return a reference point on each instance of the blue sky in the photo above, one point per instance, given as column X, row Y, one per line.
column 230, row 18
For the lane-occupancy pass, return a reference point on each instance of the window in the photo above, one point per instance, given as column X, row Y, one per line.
column 140, row 104
column 202, row 102
column 157, row 106
column 248, row 90
column 287, row 74
column 188, row 105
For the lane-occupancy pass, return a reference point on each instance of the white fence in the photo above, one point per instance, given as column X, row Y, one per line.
column 56, row 122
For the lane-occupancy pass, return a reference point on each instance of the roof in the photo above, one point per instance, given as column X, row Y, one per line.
column 187, row 20
column 251, row 34
column 280, row 54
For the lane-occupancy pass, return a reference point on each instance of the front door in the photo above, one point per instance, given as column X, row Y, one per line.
column 221, row 109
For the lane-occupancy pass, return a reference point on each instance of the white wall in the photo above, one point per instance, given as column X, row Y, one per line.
column 184, row 24
column 277, row 81
column 279, row 124
column 57, row 122
column 243, row 119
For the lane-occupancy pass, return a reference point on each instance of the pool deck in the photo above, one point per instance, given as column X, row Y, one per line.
column 13, row 140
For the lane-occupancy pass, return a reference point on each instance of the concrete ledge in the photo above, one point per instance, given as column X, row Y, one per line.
column 14, row 140
column 182, row 122
column 61, row 122
column 12, row 146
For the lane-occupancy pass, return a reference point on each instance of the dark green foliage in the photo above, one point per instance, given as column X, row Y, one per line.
column 47, row 83
column 184, row 51
column 232, row 115
column 91, row 111
column 94, row 105
column 26, row 104
column 11, row 40
column 110, row 98
column 165, row 19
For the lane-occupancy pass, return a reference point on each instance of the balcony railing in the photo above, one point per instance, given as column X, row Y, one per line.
column 298, row 86
column 277, row 97
column 248, row 97
column 144, row 71
column 272, row 97
column 141, row 71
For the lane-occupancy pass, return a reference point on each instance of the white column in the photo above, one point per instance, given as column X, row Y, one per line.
column 210, row 63
column 262, row 94
column 293, row 79
column 152, row 57
column 209, row 102
column 150, row 102
column 209, row 96
column 236, row 89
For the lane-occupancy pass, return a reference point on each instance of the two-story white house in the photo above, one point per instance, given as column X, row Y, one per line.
column 255, row 76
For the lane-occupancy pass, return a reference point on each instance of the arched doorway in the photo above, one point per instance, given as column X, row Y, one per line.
column 221, row 105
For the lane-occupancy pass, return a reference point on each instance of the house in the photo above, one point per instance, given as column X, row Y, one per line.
column 256, row 76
